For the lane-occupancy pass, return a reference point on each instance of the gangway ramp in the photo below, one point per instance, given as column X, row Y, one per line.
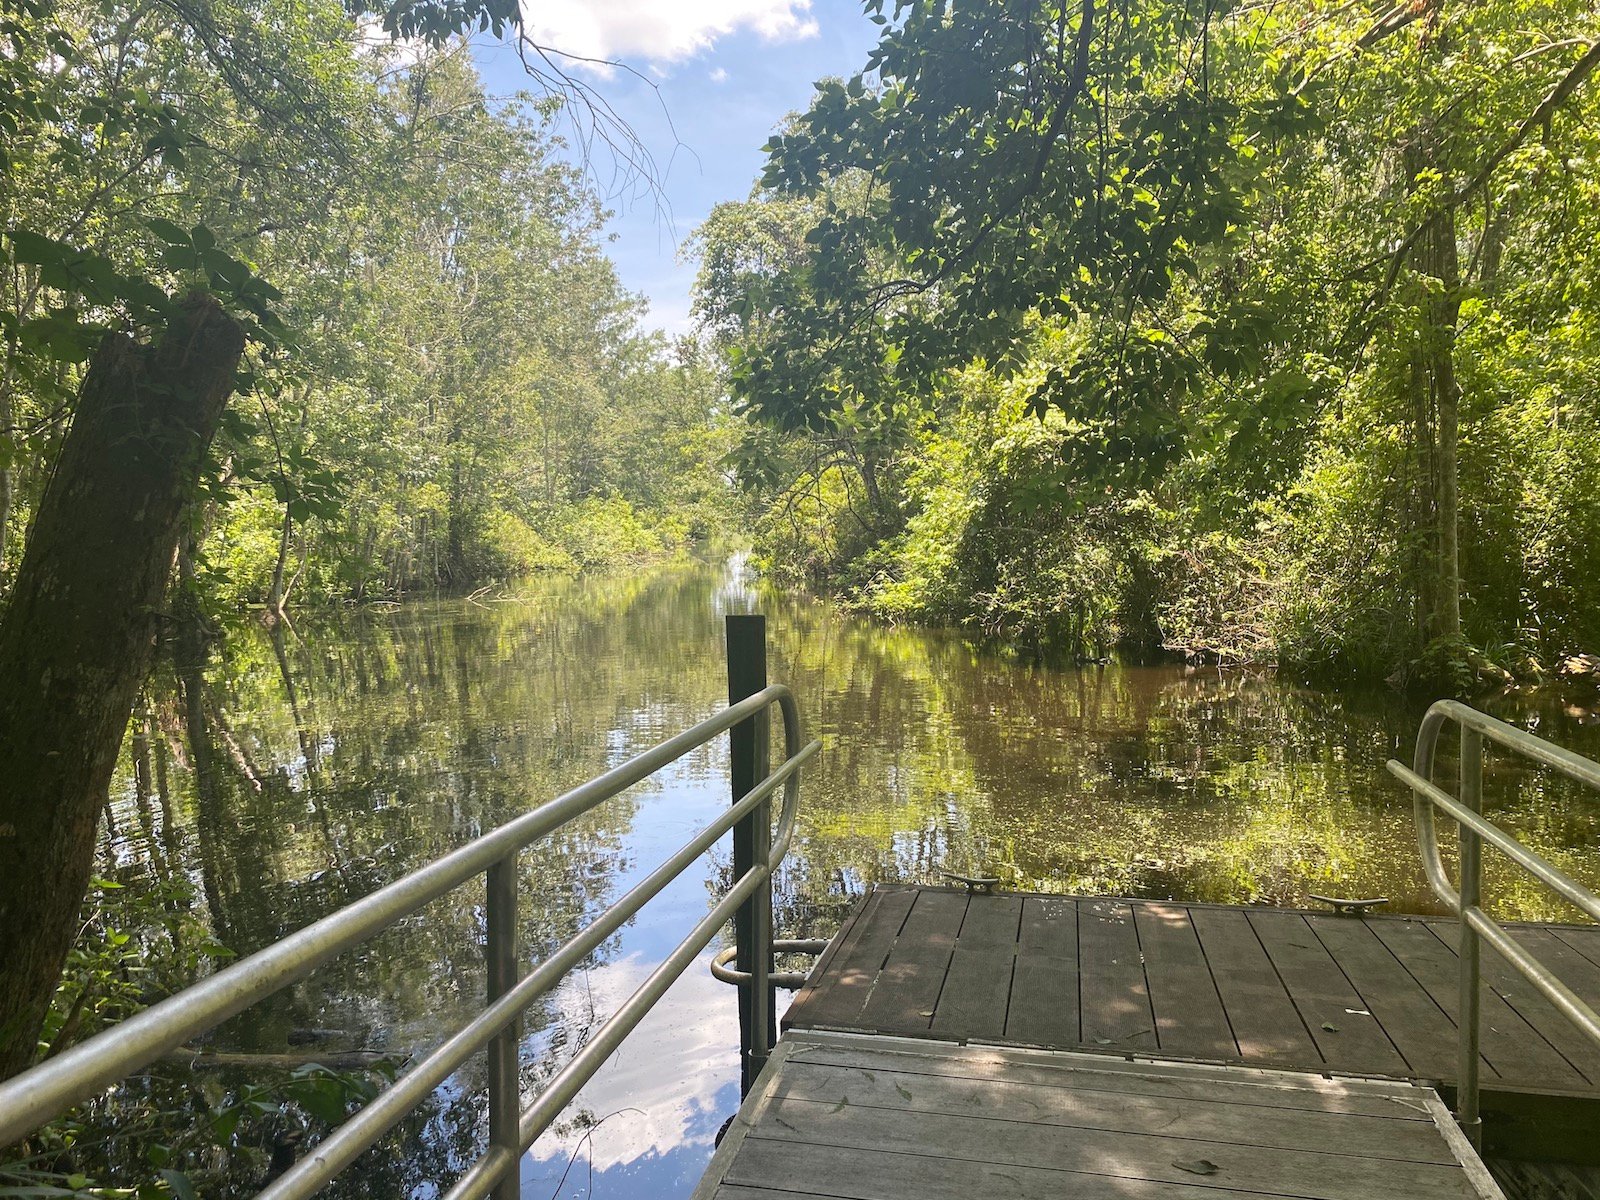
column 859, row 1117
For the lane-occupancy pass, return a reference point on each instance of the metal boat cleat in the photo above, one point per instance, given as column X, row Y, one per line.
column 1349, row 908
column 975, row 884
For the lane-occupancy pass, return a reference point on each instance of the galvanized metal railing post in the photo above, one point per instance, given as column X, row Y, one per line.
column 505, row 1090
column 1471, row 889
column 752, row 843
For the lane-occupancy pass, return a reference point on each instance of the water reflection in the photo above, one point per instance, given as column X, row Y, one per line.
column 297, row 772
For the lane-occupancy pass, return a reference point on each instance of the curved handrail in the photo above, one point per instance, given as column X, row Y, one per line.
column 37, row 1096
column 1465, row 900
column 1573, row 766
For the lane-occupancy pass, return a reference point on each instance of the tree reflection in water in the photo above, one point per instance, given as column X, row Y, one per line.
column 292, row 772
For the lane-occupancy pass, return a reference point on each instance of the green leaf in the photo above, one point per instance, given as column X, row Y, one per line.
column 224, row 1121
column 62, row 336
column 30, row 247
column 170, row 232
column 180, row 258
column 224, row 268
column 320, row 1092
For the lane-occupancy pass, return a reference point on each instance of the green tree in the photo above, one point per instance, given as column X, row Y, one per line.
column 439, row 293
column 1266, row 235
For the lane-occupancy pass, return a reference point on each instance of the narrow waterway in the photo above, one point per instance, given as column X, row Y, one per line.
column 359, row 746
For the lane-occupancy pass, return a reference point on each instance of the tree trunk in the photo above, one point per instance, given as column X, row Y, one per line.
column 277, row 595
column 1436, row 400
column 77, row 639
column 7, row 480
column 1424, row 496
column 8, row 428
column 1444, row 309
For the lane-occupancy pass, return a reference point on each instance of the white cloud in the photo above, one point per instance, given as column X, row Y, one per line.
column 661, row 31
column 719, row 75
column 665, row 1083
column 397, row 53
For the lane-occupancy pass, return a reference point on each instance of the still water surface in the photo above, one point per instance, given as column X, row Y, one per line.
column 364, row 745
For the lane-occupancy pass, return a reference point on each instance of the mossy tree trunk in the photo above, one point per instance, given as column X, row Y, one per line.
column 1444, row 311
column 1436, row 412
column 77, row 639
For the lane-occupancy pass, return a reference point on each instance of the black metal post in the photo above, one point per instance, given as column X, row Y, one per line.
column 752, row 842
column 505, row 1090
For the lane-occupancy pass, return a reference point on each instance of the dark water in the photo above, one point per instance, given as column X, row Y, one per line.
column 361, row 746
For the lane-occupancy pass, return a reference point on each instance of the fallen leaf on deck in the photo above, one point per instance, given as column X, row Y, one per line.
column 1197, row 1166
column 1330, row 1028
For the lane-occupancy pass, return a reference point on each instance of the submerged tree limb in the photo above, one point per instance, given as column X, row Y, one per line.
column 336, row 1060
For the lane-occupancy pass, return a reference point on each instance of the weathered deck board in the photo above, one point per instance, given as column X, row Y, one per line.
column 977, row 988
column 851, row 967
column 1111, row 969
column 1043, row 1007
column 1420, row 1030
column 1181, row 983
column 1532, row 1007
column 1518, row 1053
column 1266, row 1024
column 913, row 975
column 866, row 1118
column 1014, row 1065
column 1336, row 1014
column 1204, row 982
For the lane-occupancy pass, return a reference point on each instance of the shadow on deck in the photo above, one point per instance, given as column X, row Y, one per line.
column 1271, row 988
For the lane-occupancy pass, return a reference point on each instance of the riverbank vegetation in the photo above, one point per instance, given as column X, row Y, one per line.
column 1256, row 333
column 448, row 384
column 1261, row 332
column 294, row 312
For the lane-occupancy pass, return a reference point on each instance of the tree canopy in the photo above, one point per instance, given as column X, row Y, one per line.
column 1257, row 275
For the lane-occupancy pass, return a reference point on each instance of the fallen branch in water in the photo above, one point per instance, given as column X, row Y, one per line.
column 338, row 1060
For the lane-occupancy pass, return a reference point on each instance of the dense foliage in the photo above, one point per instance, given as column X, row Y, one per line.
column 1258, row 331
column 444, row 386
column 448, row 384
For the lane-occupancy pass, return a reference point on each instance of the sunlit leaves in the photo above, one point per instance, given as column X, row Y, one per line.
column 1016, row 161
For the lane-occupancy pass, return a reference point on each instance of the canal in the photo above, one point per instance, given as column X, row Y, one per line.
column 334, row 757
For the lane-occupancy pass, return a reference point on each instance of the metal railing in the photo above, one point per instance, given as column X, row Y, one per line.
column 37, row 1096
column 1466, row 900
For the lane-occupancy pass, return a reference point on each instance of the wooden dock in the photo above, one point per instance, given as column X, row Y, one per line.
column 956, row 1045
column 1263, row 987
column 866, row 1118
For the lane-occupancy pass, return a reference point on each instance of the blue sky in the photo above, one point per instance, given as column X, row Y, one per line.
column 708, row 82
